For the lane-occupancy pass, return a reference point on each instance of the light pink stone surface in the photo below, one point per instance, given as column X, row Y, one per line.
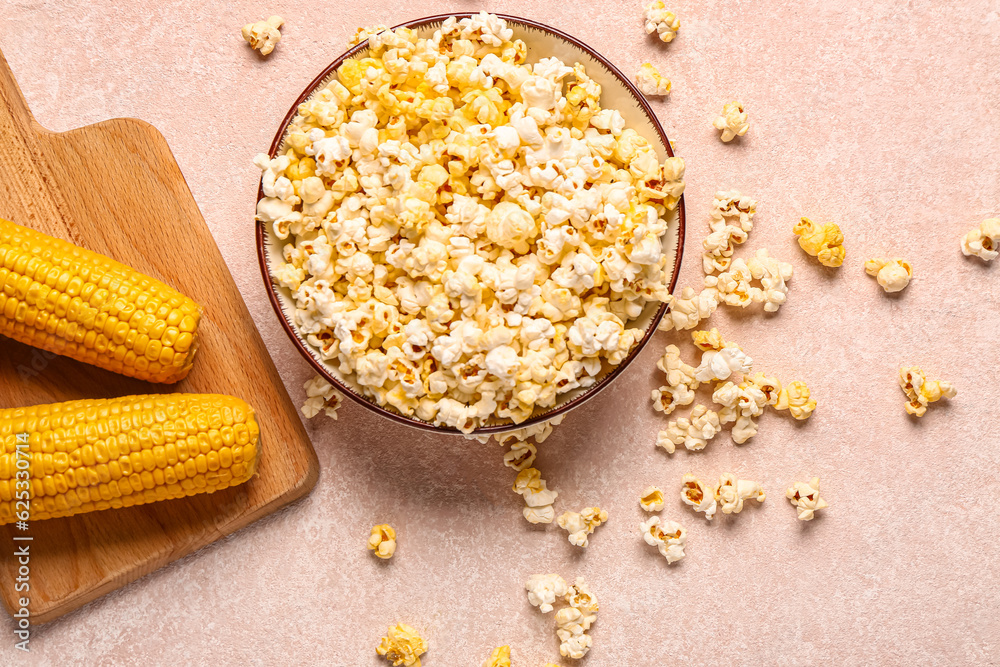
column 879, row 116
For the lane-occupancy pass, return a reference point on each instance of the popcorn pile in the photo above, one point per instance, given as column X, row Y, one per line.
column 572, row 621
column 983, row 241
column 466, row 235
column 263, row 36
column 893, row 275
column 920, row 391
column 742, row 402
column 402, row 646
column 728, row 495
column 581, row 524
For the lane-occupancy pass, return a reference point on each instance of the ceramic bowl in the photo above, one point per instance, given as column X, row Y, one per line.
column 618, row 92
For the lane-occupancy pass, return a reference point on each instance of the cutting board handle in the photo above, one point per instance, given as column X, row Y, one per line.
column 13, row 107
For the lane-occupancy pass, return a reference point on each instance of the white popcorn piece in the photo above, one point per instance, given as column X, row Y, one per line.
column 668, row 537
column 695, row 431
column 920, row 391
column 651, row 499
column 321, row 397
column 893, row 275
column 731, row 222
column 659, row 19
column 741, row 403
column 580, row 525
column 544, row 589
column 650, row 82
column 666, row 398
column 983, row 241
column 520, row 456
column 689, row 309
column 805, row 497
column 544, row 514
column 700, row 496
column 530, row 485
column 676, row 371
column 580, row 597
column 665, row 439
column 575, row 643
column 473, row 244
column 263, row 36
column 732, row 122
column 731, row 493
column 720, row 364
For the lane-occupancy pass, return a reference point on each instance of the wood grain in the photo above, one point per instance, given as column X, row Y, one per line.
column 115, row 188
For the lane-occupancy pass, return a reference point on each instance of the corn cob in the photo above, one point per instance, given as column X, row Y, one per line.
column 77, row 303
column 95, row 454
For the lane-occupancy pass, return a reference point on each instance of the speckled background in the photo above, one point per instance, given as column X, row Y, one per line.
column 880, row 116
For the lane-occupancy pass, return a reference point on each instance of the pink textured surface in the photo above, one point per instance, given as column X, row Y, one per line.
column 879, row 116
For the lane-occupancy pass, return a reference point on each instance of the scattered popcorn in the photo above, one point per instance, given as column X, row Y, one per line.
column 539, row 432
column 520, row 456
column 499, row 658
column 892, row 274
column 731, row 493
column 734, row 286
column 825, row 243
column 321, row 397
column 543, row 514
column 651, row 499
column 666, row 398
column 805, row 497
column 264, row 36
column 741, row 403
column 720, row 364
column 983, row 241
column 794, row 397
column 668, row 537
column 544, row 589
column 530, row 485
column 769, row 386
column 650, row 82
column 402, row 646
column 693, row 432
column 674, row 368
column 580, row 525
column 661, row 21
column 733, row 121
column 363, row 34
column 920, row 391
column 689, row 309
column 699, row 496
column 382, row 541
column 467, row 236
column 572, row 622
column 731, row 222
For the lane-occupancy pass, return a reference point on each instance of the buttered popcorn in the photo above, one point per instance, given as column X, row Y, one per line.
column 321, row 397
column 824, row 242
column 500, row 657
column 920, row 391
column 402, row 646
column 657, row 18
column 382, row 541
column 363, row 34
column 733, row 121
column 580, row 525
column 892, row 275
column 651, row 499
column 650, row 82
column 983, row 241
column 805, row 497
column 466, row 235
column 669, row 537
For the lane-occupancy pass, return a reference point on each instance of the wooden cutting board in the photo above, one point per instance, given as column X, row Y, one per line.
column 115, row 188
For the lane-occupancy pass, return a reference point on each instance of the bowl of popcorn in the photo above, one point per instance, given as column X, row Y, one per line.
column 469, row 223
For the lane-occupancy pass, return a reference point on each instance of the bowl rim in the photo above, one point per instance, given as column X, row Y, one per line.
column 559, row 410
